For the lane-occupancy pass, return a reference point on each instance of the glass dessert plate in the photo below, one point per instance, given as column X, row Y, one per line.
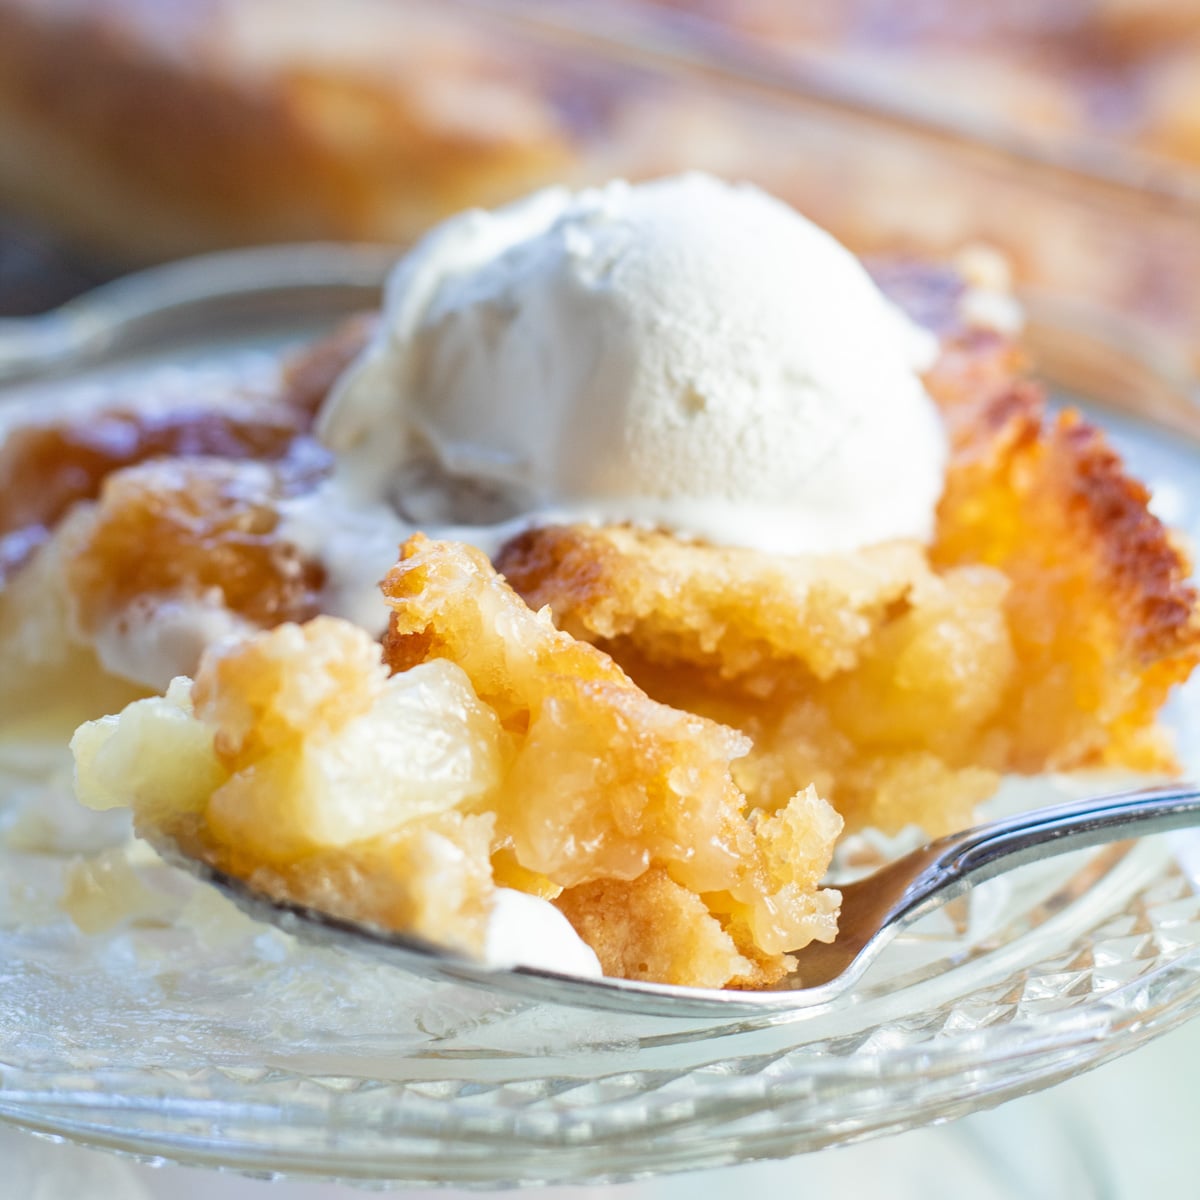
column 180, row 1029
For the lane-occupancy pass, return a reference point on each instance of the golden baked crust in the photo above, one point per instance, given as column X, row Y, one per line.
column 1103, row 616
column 196, row 477
column 194, row 473
column 51, row 463
column 733, row 613
column 211, row 525
column 188, row 537
column 49, row 466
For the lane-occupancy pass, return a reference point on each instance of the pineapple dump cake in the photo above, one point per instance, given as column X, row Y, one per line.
column 708, row 552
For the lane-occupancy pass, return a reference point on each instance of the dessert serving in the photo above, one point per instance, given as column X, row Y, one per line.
column 707, row 552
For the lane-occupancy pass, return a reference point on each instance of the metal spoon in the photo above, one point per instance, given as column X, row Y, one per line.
column 874, row 909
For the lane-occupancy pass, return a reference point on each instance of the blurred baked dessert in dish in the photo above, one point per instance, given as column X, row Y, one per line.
column 708, row 550
column 147, row 131
column 1061, row 134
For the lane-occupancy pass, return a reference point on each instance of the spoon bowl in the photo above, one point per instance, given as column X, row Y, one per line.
column 874, row 909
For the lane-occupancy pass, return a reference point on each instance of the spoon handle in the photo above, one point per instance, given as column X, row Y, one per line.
column 987, row 850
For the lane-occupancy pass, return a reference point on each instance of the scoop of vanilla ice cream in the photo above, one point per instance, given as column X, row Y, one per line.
column 685, row 353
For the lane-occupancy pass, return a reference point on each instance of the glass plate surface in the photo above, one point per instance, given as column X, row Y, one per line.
column 186, row 1032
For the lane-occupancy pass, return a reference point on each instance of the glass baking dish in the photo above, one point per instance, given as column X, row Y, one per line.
column 1109, row 85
